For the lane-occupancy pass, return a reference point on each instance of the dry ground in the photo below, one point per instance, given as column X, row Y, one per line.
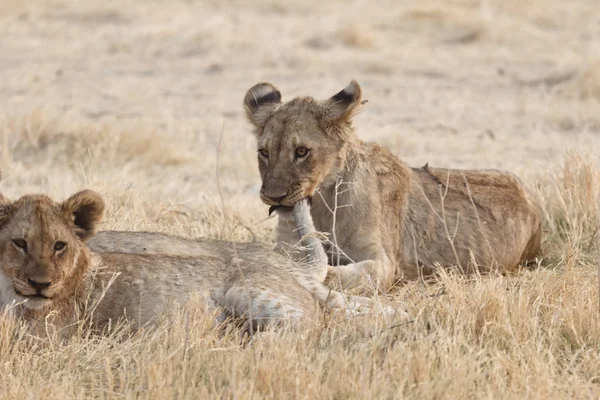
column 129, row 98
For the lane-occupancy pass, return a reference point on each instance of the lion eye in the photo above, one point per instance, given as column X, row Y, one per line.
column 58, row 246
column 20, row 243
column 302, row 152
column 264, row 153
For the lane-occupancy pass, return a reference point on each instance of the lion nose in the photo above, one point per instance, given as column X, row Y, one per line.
column 274, row 194
column 37, row 285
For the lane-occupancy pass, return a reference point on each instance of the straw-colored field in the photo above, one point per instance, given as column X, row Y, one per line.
column 130, row 99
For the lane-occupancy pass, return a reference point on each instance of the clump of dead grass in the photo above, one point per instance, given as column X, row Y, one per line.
column 214, row 221
column 570, row 199
column 74, row 142
column 127, row 210
column 539, row 332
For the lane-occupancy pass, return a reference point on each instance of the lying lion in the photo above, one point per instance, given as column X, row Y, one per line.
column 46, row 270
column 387, row 222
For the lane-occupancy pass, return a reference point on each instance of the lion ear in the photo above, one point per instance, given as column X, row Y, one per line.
column 4, row 204
column 342, row 106
column 85, row 209
column 4, row 201
column 260, row 102
column 5, row 209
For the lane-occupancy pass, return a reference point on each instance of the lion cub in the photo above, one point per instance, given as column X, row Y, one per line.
column 46, row 269
column 387, row 222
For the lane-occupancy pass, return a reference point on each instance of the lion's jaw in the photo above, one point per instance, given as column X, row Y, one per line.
column 10, row 298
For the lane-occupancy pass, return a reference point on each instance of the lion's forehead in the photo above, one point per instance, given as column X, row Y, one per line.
column 37, row 218
column 282, row 136
column 295, row 114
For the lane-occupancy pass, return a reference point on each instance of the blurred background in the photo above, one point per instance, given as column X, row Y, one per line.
column 132, row 99
column 134, row 95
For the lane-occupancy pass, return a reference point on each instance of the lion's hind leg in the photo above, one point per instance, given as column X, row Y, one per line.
column 261, row 308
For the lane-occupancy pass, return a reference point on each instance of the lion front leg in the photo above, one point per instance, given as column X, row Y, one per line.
column 367, row 276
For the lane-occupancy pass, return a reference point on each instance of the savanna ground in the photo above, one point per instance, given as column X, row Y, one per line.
column 130, row 99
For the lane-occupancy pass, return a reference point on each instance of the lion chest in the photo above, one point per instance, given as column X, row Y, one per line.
column 352, row 237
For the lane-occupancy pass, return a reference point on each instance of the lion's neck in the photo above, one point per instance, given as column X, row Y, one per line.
column 345, row 167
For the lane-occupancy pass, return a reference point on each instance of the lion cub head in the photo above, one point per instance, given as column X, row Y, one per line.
column 300, row 143
column 42, row 251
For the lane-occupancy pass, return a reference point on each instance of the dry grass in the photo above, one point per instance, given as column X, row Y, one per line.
column 130, row 101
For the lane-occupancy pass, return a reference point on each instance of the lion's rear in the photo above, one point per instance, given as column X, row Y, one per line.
column 478, row 219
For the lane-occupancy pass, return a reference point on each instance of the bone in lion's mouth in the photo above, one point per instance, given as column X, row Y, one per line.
column 279, row 207
column 289, row 208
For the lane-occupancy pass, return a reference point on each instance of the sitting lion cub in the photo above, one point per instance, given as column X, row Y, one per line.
column 387, row 222
column 46, row 269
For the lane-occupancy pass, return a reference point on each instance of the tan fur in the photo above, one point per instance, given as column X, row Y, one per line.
column 392, row 222
column 302, row 236
column 113, row 282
